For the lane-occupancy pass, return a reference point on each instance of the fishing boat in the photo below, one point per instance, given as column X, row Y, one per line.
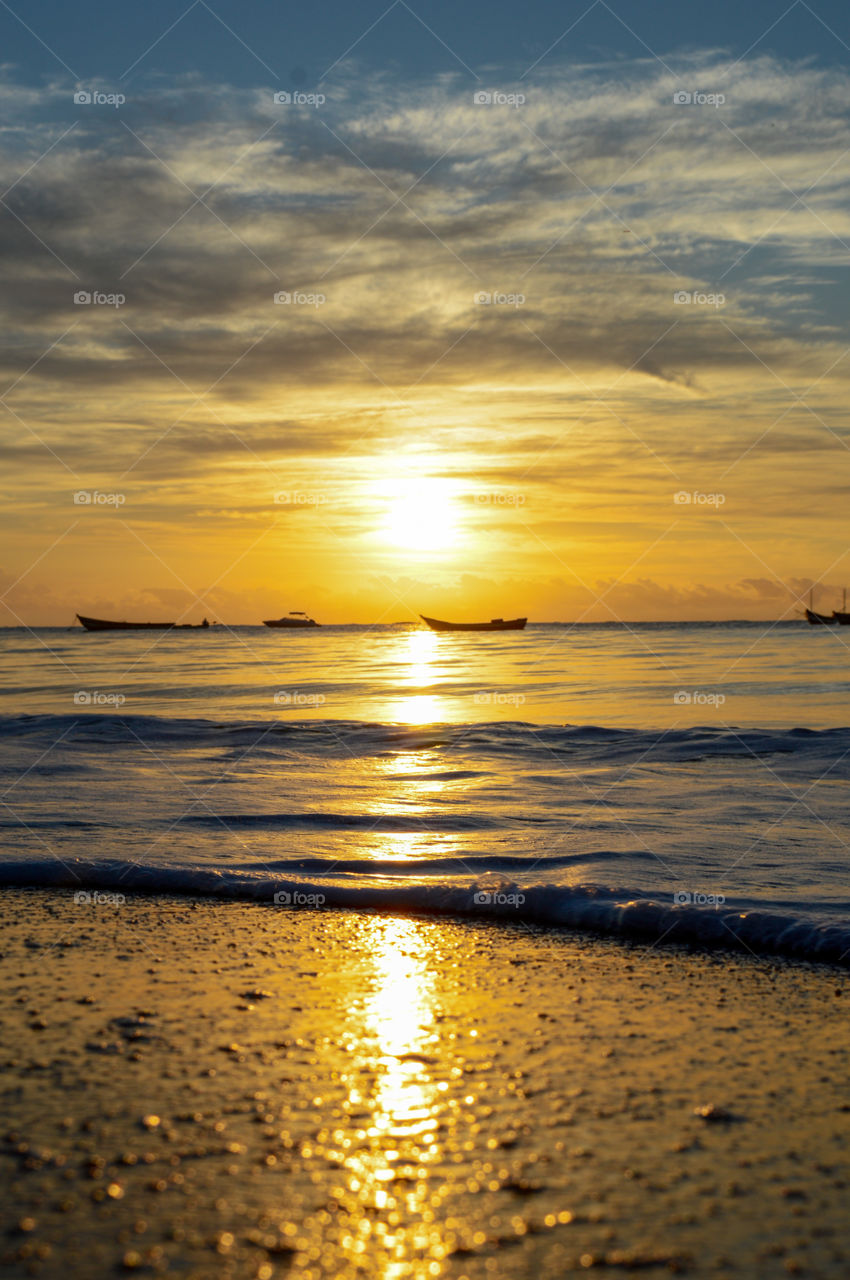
column 841, row 616
column 106, row 624
column 820, row 619
column 296, row 618
column 495, row 624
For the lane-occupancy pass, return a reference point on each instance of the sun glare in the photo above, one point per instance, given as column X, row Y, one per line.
column 421, row 516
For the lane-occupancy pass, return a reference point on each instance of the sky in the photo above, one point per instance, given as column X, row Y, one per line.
column 494, row 310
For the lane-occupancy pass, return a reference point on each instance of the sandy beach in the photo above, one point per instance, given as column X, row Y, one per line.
column 204, row 1088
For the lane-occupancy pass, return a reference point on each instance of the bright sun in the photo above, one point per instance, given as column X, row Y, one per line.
column 421, row 516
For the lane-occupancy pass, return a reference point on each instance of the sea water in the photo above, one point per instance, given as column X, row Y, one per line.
column 679, row 782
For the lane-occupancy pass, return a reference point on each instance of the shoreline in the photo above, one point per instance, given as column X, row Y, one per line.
column 208, row 1087
column 589, row 910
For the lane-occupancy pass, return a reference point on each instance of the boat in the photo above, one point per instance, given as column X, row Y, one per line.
column 106, row 624
column 841, row 616
column 820, row 619
column 297, row 618
column 495, row 624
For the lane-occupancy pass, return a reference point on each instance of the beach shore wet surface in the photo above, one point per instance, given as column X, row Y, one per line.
column 201, row 1088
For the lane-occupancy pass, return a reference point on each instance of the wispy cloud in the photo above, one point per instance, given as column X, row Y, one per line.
column 386, row 214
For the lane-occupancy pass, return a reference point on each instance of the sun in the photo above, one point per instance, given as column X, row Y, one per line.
column 421, row 515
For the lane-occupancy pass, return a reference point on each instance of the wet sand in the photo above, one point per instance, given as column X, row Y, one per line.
column 205, row 1089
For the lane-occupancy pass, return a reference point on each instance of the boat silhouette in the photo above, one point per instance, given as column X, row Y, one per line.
column 297, row 618
column 106, row 624
column 841, row 616
column 825, row 619
column 495, row 624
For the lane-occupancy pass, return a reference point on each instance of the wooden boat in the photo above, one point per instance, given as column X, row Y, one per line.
column 105, row 624
column 820, row 619
column 296, row 618
column 495, row 624
column 841, row 616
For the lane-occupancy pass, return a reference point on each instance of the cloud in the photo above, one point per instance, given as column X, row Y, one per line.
column 581, row 213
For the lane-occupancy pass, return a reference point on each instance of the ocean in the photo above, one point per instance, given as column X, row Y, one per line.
column 673, row 782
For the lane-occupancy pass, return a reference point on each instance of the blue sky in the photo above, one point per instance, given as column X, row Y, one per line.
column 300, row 42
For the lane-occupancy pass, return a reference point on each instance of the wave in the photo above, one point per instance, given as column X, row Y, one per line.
column 349, row 738
column 309, row 820
column 620, row 912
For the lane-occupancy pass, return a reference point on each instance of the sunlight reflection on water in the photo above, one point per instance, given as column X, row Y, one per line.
column 781, row 674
